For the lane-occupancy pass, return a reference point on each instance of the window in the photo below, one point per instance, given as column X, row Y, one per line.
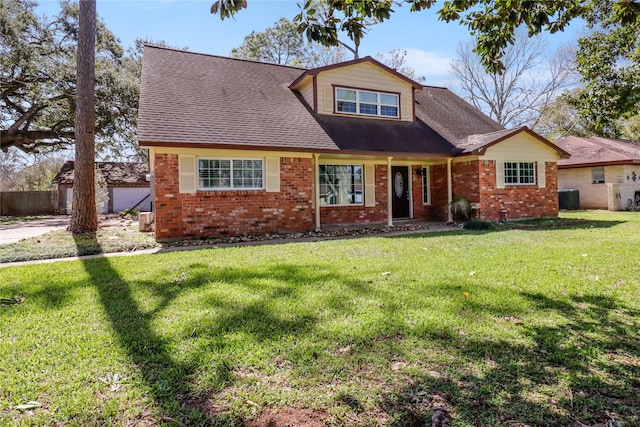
column 597, row 174
column 519, row 173
column 227, row 174
column 367, row 103
column 341, row 185
column 426, row 195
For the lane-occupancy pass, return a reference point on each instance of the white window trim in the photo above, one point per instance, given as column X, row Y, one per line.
column 326, row 205
column 231, row 159
column 426, row 175
column 520, row 184
column 357, row 102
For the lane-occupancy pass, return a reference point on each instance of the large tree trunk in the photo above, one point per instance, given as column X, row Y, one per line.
column 84, row 217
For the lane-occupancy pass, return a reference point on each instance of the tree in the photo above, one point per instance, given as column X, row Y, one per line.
column 493, row 23
column 280, row 44
column 559, row 119
column 84, row 217
column 530, row 82
column 283, row 44
column 397, row 59
column 609, row 62
column 37, row 82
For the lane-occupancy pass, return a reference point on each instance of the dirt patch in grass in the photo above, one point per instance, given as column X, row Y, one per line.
column 115, row 234
column 290, row 417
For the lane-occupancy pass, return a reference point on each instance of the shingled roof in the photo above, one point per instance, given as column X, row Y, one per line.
column 196, row 99
column 114, row 173
column 598, row 151
column 451, row 116
column 193, row 99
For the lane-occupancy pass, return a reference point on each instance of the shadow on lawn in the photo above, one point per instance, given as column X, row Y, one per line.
column 589, row 367
column 171, row 381
column 584, row 370
column 527, row 225
column 166, row 378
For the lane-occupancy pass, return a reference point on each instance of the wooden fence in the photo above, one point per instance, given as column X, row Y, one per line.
column 24, row 203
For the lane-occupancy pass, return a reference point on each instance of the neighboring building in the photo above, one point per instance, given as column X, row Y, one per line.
column 606, row 172
column 127, row 184
column 240, row 147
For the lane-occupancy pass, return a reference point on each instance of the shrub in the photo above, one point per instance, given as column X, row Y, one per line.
column 460, row 209
column 479, row 225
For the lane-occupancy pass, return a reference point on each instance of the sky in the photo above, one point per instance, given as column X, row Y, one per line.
column 430, row 44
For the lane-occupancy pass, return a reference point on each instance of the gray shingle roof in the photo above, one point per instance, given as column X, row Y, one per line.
column 194, row 98
column 598, row 151
column 362, row 135
column 451, row 116
column 114, row 173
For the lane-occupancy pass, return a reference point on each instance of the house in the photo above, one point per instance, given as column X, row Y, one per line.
column 240, row 147
column 127, row 184
column 606, row 172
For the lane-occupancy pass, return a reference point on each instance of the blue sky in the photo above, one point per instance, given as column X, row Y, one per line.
column 430, row 44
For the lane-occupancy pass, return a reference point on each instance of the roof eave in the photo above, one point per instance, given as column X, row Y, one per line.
column 316, row 71
column 599, row 163
column 483, row 148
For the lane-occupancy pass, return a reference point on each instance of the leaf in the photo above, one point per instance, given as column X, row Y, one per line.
column 29, row 405
column 12, row 301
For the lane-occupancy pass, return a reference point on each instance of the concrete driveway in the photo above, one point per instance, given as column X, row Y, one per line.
column 21, row 230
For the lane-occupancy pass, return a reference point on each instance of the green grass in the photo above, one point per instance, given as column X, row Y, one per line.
column 537, row 327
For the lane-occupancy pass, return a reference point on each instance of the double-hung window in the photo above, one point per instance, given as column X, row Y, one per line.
column 230, row 174
column 368, row 103
column 597, row 175
column 519, row 173
column 341, row 185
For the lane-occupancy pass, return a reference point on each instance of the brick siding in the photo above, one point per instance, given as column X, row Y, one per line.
column 232, row 213
column 522, row 201
column 236, row 213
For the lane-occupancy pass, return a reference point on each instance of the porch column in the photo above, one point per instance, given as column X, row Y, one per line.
column 449, row 191
column 389, row 194
column 316, row 190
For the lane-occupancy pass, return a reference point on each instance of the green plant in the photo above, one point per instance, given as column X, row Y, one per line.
column 460, row 208
column 479, row 225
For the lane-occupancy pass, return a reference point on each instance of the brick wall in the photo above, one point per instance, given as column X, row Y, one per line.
column 232, row 213
column 465, row 180
column 522, row 201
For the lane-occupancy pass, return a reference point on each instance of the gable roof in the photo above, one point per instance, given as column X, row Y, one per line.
column 195, row 99
column 598, row 151
column 478, row 144
column 198, row 100
column 114, row 173
column 366, row 59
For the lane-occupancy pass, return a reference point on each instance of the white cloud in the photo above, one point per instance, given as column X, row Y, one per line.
column 428, row 63
column 434, row 67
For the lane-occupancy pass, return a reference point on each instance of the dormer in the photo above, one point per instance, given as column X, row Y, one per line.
column 360, row 88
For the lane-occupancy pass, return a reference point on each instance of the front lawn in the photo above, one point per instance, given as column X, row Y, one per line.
column 515, row 327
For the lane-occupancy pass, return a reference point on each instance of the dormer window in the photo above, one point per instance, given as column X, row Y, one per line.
column 366, row 102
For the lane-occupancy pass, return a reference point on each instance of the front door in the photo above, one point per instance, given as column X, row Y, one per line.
column 400, row 191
